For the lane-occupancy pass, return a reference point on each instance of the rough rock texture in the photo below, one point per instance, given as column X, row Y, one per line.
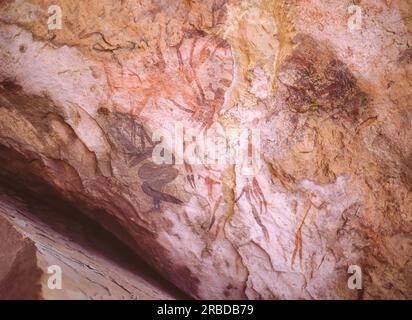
column 19, row 272
column 78, row 106
column 35, row 236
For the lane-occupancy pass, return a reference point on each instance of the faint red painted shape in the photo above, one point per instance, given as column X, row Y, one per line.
column 192, row 77
column 254, row 195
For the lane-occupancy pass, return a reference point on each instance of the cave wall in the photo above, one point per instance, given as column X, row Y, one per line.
column 331, row 106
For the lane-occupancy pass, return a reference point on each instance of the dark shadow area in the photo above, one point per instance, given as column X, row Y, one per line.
column 50, row 208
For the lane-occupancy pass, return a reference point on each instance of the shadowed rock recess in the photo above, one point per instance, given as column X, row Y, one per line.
column 80, row 108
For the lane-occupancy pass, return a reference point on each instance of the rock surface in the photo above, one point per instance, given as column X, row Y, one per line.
column 35, row 238
column 79, row 106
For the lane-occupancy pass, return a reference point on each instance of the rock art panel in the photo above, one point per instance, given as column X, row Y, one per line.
column 81, row 109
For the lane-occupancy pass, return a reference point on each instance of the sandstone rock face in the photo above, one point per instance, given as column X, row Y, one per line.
column 35, row 239
column 80, row 108
column 19, row 270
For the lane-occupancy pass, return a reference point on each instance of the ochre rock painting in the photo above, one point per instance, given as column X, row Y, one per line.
column 315, row 95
